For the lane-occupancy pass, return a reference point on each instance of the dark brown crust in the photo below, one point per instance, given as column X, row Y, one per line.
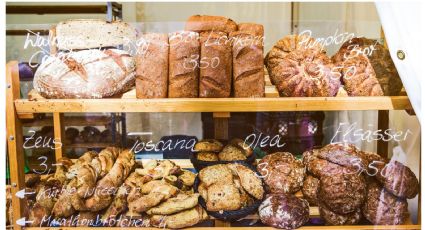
column 319, row 167
column 284, row 211
column 383, row 208
column 332, row 218
column 183, row 79
column 399, row 180
column 342, row 193
column 215, row 81
column 381, row 61
column 201, row 23
column 346, row 155
column 282, row 172
column 310, row 188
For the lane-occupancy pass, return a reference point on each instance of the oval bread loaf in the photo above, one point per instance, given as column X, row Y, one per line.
column 85, row 74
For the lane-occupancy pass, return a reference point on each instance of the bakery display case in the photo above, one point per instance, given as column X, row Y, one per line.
column 222, row 128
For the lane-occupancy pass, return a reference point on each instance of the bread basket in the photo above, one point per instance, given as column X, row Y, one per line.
column 230, row 215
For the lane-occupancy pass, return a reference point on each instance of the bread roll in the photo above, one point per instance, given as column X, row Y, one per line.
column 200, row 23
column 183, row 64
column 92, row 33
column 85, row 74
column 152, row 66
column 248, row 68
column 215, row 65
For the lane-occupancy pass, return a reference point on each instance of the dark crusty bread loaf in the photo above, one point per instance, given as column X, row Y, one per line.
column 251, row 28
column 152, row 66
column 183, row 64
column 248, row 68
column 200, row 23
column 216, row 65
column 379, row 57
column 85, row 74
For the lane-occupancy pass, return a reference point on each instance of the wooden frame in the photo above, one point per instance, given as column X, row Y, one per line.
column 221, row 108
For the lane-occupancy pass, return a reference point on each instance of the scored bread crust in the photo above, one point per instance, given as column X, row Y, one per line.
column 85, row 74
column 248, row 66
column 380, row 59
column 184, row 55
column 215, row 78
column 299, row 67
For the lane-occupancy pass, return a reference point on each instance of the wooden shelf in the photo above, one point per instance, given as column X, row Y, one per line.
column 212, row 104
column 72, row 121
column 356, row 227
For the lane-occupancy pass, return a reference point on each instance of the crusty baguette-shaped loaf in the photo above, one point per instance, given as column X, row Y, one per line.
column 92, row 33
column 248, row 67
column 152, row 66
column 215, row 78
column 251, row 28
column 85, row 74
column 184, row 64
column 200, row 23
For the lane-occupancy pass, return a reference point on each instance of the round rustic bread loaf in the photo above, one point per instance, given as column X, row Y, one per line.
column 343, row 154
column 320, row 167
column 342, row 193
column 399, row 180
column 332, row 218
column 284, row 211
column 298, row 67
column 358, row 77
column 381, row 61
column 282, row 172
column 383, row 208
column 85, row 74
column 309, row 189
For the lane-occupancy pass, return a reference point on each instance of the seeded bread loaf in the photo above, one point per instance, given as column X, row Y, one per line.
column 152, row 66
column 183, row 64
column 215, row 65
column 248, row 68
column 200, row 23
column 92, row 33
column 85, row 74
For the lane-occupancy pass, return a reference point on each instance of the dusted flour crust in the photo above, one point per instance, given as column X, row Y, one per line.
column 309, row 189
column 282, row 172
column 332, row 218
column 383, row 208
column 284, row 211
column 298, row 69
column 85, row 74
column 342, row 193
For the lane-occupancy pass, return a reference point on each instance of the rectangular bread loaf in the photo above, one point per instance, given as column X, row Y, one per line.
column 248, row 67
column 92, row 33
column 183, row 64
column 215, row 65
column 200, row 23
column 152, row 66
column 251, row 28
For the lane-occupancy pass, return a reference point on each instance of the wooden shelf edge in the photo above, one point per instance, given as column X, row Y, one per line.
column 213, row 104
column 348, row 227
